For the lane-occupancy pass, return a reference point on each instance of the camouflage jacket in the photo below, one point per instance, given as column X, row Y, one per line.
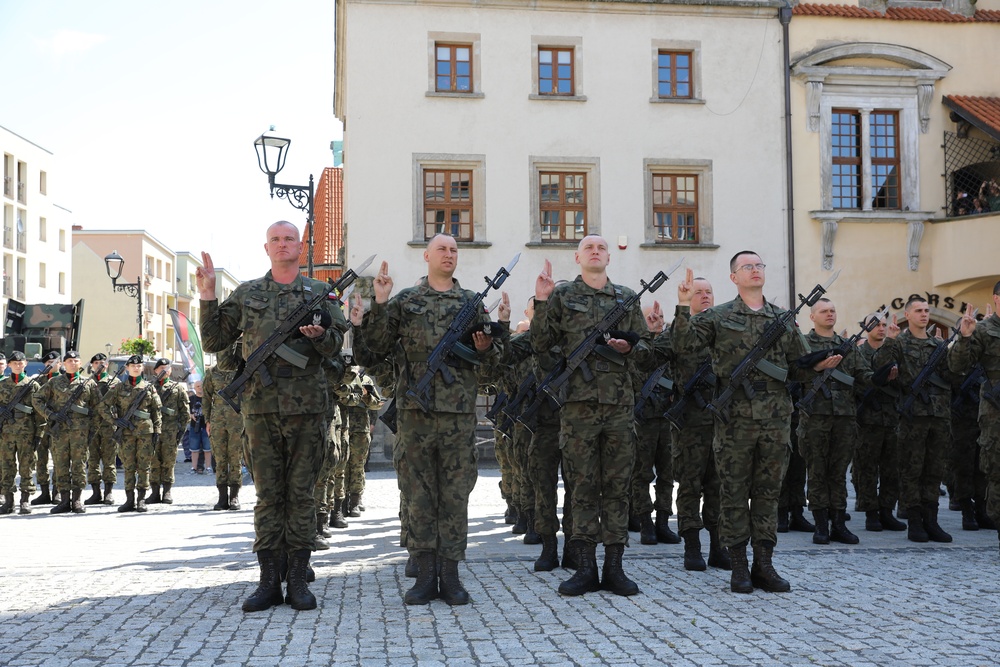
column 55, row 393
column 254, row 309
column 117, row 401
column 681, row 368
column 876, row 405
column 911, row 354
column 417, row 318
column 213, row 406
column 105, row 382
column 365, row 399
column 982, row 347
column 728, row 332
column 174, row 405
column 24, row 412
column 850, row 379
column 568, row 316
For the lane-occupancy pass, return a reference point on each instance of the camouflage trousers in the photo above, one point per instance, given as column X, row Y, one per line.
column 524, row 490
column 989, row 461
column 968, row 480
column 164, row 457
column 923, row 443
column 653, row 461
column 361, row 442
column 827, row 443
column 598, row 449
column 69, row 455
column 227, row 450
column 323, row 491
column 287, row 453
column 101, row 455
column 544, row 459
column 17, row 455
column 340, row 469
column 876, row 468
column 793, row 484
column 697, row 477
column 502, row 450
column 42, row 461
column 136, row 452
column 402, row 472
column 438, row 472
column 751, row 456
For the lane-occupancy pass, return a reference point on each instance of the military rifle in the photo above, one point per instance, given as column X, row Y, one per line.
column 653, row 382
column 388, row 416
column 702, row 377
column 7, row 411
column 493, row 413
column 927, row 374
column 970, row 386
column 61, row 416
column 133, row 407
column 511, row 411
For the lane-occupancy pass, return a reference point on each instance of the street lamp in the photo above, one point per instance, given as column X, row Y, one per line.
column 271, row 154
column 114, row 263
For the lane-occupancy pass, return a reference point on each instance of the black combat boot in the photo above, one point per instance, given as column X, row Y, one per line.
column 647, row 530
column 298, row 595
column 108, row 498
column 982, row 518
column 129, row 505
column 268, row 593
column 234, row 497
column 888, row 521
column 717, row 555
column 873, row 523
column 64, row 504
column 613, row 577
column 154, row 494
column 531, row 536
column 451, row 589
column 521, row 525
column 223, row 502
column 337, row 515
column 75, row 503
column 693, row 559
column 915, row 525
column 140, row 501
column 799, row 523
column 569, row 559
column 763, row 574
column 839, row 532
column 739, row 580
column 783, row 519
column 425, row 588
column 934, row 531
column 44, row 498
column 663, row 532
column 353, row 505
column 95, row 497
column 510, row 514
column 411, row 570
column 8, row 503
column 968, row 514
column 168, row 497
column 822, row 534
column 322, row 518
column 549, row 559
column 25, row 507
column 585, row 579
column 902, row 514
column 634, row 523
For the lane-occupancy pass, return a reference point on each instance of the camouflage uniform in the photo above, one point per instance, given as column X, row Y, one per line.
column 226, row 428
column 17, row 438
column 522, row 487
column 103, row 449
column 323, row 492
column 876, row 462
column 969, row 482
column 176, row 412
column 361, row 435
column 654, row 457
column 285, row 421
column 136, row 445
column 44, row 445
column 69, row 440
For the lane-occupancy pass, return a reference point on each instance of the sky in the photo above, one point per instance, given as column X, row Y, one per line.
column 150, row 110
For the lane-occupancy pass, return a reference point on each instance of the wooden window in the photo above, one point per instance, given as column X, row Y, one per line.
column 675, row 208
column 884, row 147
column 845, row 136
column 453, row 68
column 555, row 71
column 448, row 203
column 563, row 206
column 674, row 74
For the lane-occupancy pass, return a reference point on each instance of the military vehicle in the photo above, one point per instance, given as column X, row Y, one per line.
column 36, row 329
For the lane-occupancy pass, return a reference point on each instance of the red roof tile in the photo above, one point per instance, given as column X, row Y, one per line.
column 983, row 112
column 896, row 13
column 328, row 229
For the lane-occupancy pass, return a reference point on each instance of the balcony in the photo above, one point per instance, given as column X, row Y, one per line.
column 8, row 187
column 964, row 248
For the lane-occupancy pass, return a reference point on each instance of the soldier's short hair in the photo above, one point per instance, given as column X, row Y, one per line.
column 916, row 298
column 996, row 288
column 732, row 262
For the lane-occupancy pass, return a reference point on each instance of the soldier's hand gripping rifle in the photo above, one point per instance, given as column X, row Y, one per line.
column 654, row 381
column 274, row 343
column 451, row 343
column 970, row 387
column 7, row 411
column 754, row 361
column 550, row 388
column 125, row 421
column 511, row 411
column 493, row 414
column 927, row 375
column 61, row 416
column 819, row 382
column 703, row 377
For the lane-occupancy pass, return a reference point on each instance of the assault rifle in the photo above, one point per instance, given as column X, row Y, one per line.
column 450, row 344
column 845, row 347
column 550, row 388
column 654, row 381
column 702, row 377
column 7, row 411
column 388, row 416
column 274, row 344
column 493, row 413
column 525, row 392
column 927, row 374
column 133, row 407
column 61, row 416
column 970, row 386
column 991, row 392
column 754, row 360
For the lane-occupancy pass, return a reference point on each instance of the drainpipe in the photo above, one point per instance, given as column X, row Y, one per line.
column 785, row 17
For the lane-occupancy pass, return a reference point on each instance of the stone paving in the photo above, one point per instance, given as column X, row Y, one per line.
column 165, row 589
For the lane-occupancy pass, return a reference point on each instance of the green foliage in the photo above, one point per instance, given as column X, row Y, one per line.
column 140, row 346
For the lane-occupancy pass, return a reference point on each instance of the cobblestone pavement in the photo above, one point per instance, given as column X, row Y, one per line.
column 165, row 589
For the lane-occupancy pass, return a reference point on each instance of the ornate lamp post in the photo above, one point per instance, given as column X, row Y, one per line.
column 271, row 154
column 114, row 263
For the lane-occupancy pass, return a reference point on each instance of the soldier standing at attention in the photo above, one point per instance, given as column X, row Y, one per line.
column 67, row 403
column 439, row 446
column 42, row 446
column 176, row 412
column 595, row 424
column 360, row 427
column 102, row 449
column 751, row 451
column 21, row 431
column 285, row 420
column 225, row 427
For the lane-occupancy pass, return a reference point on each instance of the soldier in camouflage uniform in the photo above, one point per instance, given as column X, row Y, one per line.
column 595, row 424
column 21, row 429
column 324, row 492
column 67, row 404
column 176, row 412
column 969, row 488
column 102, row 449
column 138, row 435
column 980, row 344
column 285, row 420
column 337, row 487
column 42, row 447
column 751, row 450
column 225, row 428
column 360, row 432
column 438, row 446
column 924, row 437
column 522, row 487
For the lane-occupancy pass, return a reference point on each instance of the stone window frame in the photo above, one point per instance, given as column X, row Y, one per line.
column 591, row 166
column 696, row 86
column 476, row 163
column 474, row 40
column 703, row 169
column 543, row 41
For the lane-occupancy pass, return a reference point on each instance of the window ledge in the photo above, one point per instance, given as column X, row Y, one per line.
column 679, row 246
column 558, row 98
column 460, row 244
column 466, row 96
column 914, row 221
column 544, row 244
column 676, row 100
column 871, row 216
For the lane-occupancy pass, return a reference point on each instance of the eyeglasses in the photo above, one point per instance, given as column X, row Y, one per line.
column 750, row 267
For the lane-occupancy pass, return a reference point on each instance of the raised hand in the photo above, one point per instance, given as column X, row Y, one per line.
column 503, row 310
column 892, row 330
column 205, row 278
column 382, row 284
column 967, row 325
column 544, row 283
column 685, row 289
column 357, row 309
column 654, row 319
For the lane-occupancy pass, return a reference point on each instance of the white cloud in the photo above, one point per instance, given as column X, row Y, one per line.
column 65, row 42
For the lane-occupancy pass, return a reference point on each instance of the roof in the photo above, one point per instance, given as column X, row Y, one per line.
column 895, row 13
column 981, row 112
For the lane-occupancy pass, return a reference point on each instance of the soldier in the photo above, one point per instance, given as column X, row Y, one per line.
column 751, row 450
column 924, row 437
column 327, row 506
column 338, row 474
column 439, row 446
column 792, row 498
column 285, row 419
column 518, row 442
column 176, row 413
column 102, row 450
column 67, row 403
column 595, row 424
column 969, row 488
column 225, row 427
column 360, row 432
column 42, row 449
column 21, row 429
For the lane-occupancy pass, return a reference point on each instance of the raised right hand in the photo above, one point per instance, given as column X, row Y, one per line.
column 205, row 278
column 544, row 283
column 382, row 284
column 685, row 289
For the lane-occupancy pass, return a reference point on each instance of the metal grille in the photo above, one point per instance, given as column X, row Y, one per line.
column 969, row 164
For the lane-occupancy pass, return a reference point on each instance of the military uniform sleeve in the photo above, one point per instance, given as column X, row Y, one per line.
column 966, row 352
column 380, row 325
column 891, row 352
column 40, row 400
column 220, row 323
column 691, row 334
column 328, row 345
column 154, row 412
column 545, row 332
column 183, row 407
column 207, row 395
